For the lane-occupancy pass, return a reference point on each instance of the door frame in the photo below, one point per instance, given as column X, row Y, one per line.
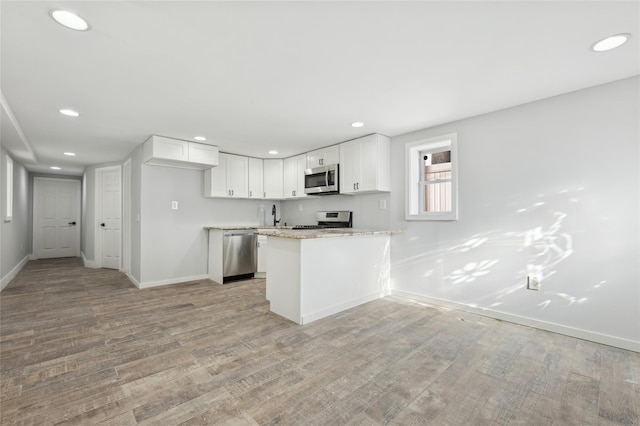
column 126, row 217
column 98, row 214
column 36, row 214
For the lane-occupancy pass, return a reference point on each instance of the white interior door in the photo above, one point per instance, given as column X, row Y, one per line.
column 56, row 218
column 110, row 216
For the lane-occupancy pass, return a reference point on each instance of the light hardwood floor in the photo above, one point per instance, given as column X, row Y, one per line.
column 84, row 346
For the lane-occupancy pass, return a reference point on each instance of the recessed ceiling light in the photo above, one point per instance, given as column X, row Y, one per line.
column 610, row 42
column 70, row 154
column 273, row 152
column 69, row 112
column 69, row 19
column 200, row 138
column 54, row 168
column 357, row 124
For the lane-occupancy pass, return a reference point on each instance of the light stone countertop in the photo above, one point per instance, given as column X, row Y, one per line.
column 233, row 227
column 301, row 234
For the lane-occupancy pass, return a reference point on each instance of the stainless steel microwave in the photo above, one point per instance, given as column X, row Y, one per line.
column 323, row 180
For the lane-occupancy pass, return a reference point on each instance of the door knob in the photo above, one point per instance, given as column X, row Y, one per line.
column 102, row 224
column 71, row 223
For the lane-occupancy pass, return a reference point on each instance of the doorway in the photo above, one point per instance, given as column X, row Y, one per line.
column 108, row 217
column 56, row 218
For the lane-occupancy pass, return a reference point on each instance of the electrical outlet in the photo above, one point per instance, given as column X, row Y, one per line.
column 299, row 207
column 533, row 283
column 174, row 205
column 382, row 204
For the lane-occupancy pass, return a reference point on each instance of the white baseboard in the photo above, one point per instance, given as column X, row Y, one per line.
column 604, row 339
column 88, row 263
column 12, row 273
column 306, row 319
column 149, row 284
column 132, row 279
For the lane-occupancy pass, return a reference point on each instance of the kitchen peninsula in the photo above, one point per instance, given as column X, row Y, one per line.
column 312, row 274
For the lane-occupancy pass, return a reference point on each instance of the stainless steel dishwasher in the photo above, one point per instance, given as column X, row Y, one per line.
column 240, row 254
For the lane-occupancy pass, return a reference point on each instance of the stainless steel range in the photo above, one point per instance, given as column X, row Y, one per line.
column 335, row 219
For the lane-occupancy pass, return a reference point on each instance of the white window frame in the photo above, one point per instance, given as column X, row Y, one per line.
column 9, row 188
column 414, row 200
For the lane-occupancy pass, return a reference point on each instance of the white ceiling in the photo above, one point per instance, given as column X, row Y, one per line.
column 291, row 76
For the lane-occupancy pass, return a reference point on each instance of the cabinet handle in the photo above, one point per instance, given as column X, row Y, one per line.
column 264, row 195
column 354, row 186
column 250, row 193
column 358, row 185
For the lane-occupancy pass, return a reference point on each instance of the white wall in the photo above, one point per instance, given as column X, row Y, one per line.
column 173, row 243
column 136, row 203
column 16, row 243
column 366, row 209
column 552, row 184
column 87, row 246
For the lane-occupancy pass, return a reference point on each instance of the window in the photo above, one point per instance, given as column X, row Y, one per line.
column 431, row 179
column 9, row 188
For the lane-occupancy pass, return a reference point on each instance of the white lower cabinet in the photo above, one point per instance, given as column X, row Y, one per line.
column 263, row 251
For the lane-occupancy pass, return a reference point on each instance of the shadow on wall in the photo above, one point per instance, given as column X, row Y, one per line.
column 470, row 268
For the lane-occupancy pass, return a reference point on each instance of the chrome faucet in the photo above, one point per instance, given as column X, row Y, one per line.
column 273, row 212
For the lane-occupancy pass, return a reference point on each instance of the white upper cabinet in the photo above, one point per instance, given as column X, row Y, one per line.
column 365, row 165
column 256, row 178
column 273, row 179
column 323, row 157
column 161, row 151
column 229, row 179
column 294, row 176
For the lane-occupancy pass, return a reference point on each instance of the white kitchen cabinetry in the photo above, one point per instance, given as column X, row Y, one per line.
column 273, row 179
column 229, row 179
column 256, row 178
column 303, row 289
column 161, row 151
column 294, row 176
column 263, row 250
column 323, row 157
column 365, row 165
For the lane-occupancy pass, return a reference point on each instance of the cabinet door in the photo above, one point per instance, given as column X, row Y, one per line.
column 314, row 158
column 289, row 181
column 273, row 179
column 349, row 167
column 331, row 155
column 203, row 154
column 237, row 176
column 263, row 249
column 256, row 178
column 215, row 179
column 169, row 149
column 294, row 168
column 301, row 165
column 323, row 157
column 367, row 177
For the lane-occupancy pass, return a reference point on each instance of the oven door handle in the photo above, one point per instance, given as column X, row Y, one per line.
column 326, row 178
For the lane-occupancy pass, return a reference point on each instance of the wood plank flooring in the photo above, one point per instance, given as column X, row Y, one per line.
column 84, row 346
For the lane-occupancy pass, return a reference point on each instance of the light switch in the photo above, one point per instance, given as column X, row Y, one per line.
column 382, row 204
column 174, row 205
